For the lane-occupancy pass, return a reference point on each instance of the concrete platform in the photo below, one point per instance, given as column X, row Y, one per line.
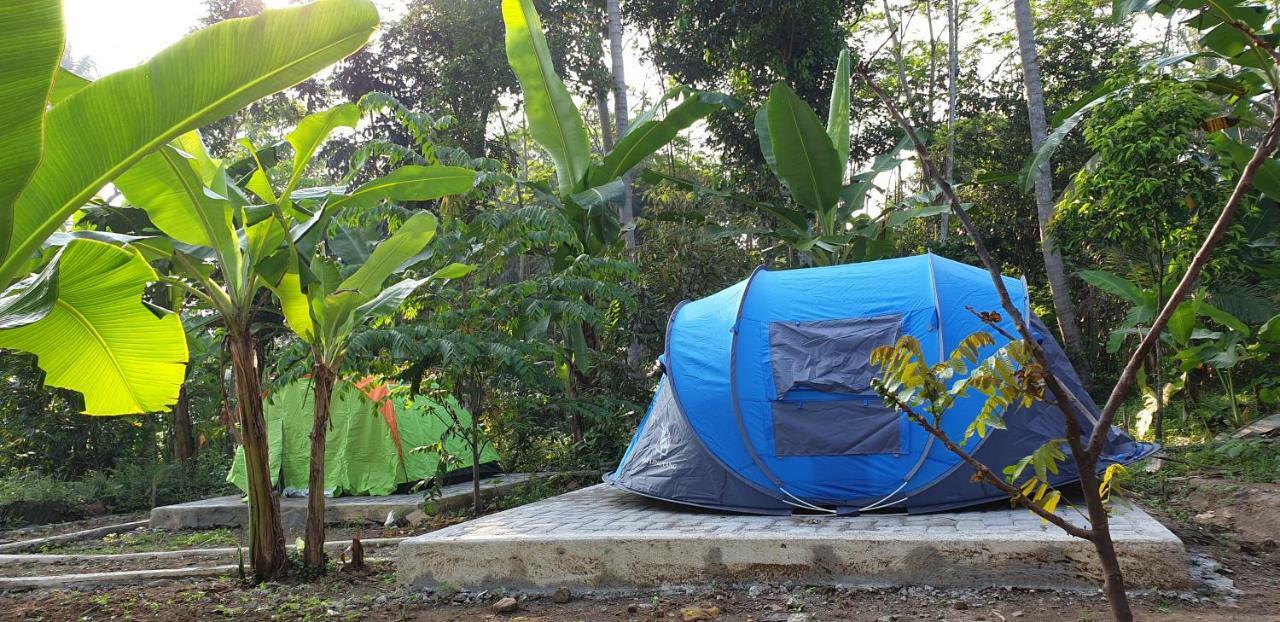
column 232, row 511
column 599, row 537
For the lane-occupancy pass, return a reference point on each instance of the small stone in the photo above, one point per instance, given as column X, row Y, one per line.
column 633, row 608
column 416, row 517
column 801, row 617
column 1018, row 614
column 755, row 591
column 960, row 605
column 888, row 618
column 561, row 595
column 380, row 600
column 506, row 605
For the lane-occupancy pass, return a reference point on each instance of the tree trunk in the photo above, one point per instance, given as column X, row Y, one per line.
column 1053, row 267
column 266, row 535
column 606, row 122
column 953, row 73
column 1112, row 578
column 620, row 115
column 184, row 443
column 323, row 379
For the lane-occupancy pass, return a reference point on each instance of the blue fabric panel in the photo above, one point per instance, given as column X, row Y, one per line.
column 828, row 355
column 891, row 287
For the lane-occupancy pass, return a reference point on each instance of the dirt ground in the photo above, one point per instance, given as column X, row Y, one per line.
column 1224, row 523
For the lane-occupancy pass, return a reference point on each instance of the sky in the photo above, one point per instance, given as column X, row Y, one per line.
column 118, row 34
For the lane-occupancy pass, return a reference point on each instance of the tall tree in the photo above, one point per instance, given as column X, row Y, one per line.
column 1053, row 267
column 620, row 114
column 953, row 72
column 742, row 47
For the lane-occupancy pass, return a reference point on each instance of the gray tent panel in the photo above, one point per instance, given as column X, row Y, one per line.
column 668, row 461
column 828, row 355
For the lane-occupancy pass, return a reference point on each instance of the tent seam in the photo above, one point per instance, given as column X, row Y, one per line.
column 675, row 394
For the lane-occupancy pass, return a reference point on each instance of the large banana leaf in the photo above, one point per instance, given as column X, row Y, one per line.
column 106, row 127
column 838, row 113
column 806, row 160
column 168, row 187
column 29, row 300
column 311, row 132
column 390, row 299
column 407, row 241
column 647, row 135
column 409, row 183
column 294, row 304
column 1117, row 285
column 99, row 339
column 66, row 84
column 554, row 122
column 30, row 47
column 333, row 313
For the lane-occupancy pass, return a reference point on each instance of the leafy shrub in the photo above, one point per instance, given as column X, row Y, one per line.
column 30, row 496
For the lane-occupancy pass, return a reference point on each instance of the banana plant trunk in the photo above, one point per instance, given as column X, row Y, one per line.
column 323, row 379
column 266, row 535
column 184, row 442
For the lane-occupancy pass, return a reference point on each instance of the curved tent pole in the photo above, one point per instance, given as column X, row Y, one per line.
column 928, row 446
column 675, row 395
column 737, row 410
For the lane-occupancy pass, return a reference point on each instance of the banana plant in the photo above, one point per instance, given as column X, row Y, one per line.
column 232, row 243
column 75, row 300
column 810, row 160
column 327, row 312
column 584, row 188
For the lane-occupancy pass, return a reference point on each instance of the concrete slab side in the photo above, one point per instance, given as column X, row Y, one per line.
column 600, row 537
column 231, row 511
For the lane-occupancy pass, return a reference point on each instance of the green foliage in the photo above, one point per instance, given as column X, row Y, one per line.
column 1009, row 378
column 734, row 47
column 132, row 485
column 1152, row 209
column 583, row 188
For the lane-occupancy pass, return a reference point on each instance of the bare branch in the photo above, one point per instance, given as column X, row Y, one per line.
column 984, row 473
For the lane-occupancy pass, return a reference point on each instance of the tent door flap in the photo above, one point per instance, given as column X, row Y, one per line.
column 861, row 425
column 828, row 355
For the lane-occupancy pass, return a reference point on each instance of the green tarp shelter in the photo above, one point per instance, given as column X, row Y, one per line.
column 369, row 446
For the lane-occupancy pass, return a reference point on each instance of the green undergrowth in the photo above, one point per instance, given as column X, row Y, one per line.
column 1254, row 460
column 34, row 497
column 147, row 541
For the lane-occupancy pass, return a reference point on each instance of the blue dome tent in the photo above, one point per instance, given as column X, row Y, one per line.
column 765, row 403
